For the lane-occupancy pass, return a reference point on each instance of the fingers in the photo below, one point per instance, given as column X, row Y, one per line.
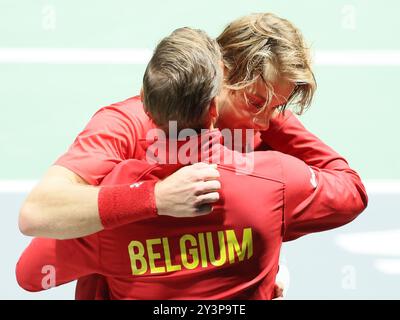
column 207, row 198
column 207, row 187
column 207, row 174
column 278, row 291
column 203, row 210
column 202, row 165
column 189, row 192
column 202, row 171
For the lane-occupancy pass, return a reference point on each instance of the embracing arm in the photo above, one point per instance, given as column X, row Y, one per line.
column 65, row 202
column 321, row 190
column 47, row 263
column 318, row 199
column 68, row 204
column 61, row 206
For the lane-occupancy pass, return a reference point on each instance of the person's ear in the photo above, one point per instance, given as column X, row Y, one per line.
column 213, row 110
column 141, row 94
column 213, row 107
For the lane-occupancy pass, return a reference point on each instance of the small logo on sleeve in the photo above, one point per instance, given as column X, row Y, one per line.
column 136, row 184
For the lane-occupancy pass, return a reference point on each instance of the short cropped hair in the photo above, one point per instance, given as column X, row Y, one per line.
column 182, row 77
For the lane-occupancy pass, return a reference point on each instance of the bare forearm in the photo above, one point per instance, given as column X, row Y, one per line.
column 60, row 209
column 64, row 206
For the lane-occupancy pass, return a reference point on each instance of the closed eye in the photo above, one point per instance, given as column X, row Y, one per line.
column 255, row 101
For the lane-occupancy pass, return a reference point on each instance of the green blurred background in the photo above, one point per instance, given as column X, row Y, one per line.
column 44, row 106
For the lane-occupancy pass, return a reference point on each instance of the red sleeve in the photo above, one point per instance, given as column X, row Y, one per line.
column 322, row 192
column 318, row 199
column 47, row 262
column 287, row 135
column 109, row 137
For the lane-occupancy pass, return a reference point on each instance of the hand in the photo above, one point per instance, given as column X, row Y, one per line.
column 189, row 192
column 278, row 291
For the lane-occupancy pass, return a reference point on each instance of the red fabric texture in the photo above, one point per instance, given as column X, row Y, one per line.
column 119, row 205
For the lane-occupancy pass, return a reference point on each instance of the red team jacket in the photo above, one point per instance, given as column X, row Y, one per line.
column 233, row 252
